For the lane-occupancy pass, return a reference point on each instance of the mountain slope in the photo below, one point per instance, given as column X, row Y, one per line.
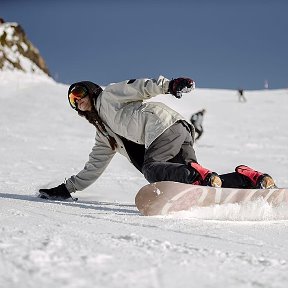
column 102, row 240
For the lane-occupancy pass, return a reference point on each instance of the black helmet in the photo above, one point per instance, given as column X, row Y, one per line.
column 88, row 88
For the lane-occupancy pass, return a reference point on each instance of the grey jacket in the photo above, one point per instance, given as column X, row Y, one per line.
column 124, row 111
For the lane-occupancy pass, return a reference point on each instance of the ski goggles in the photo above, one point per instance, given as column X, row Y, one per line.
column 77, row 93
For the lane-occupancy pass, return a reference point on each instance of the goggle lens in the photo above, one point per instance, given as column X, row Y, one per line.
column 77, row 93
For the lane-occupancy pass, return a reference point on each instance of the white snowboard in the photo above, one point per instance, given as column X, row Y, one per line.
column 162, row 198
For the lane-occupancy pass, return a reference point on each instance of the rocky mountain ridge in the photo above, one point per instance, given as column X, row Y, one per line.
column 17, row 52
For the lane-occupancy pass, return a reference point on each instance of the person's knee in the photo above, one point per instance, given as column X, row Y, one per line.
column 148, row 172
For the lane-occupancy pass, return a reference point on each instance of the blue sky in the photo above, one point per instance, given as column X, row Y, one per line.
column 219, row 43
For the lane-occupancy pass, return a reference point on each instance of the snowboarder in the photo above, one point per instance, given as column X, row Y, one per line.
column 241, row 96
column 197, row 120
column 154, row 138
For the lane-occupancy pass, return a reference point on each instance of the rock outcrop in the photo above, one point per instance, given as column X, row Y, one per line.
column 17, row 52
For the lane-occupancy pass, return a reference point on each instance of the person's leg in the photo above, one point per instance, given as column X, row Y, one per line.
column 246, row 177
column 171, row 156
column 200, row 131
column 234, row 180
column 197, row 132
column 167, row 157
column 256, row 179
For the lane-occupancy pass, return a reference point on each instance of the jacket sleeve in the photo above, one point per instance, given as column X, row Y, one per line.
column 136, row 89
column 99, row 158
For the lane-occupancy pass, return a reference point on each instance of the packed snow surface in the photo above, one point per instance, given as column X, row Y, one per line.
column 102, row 240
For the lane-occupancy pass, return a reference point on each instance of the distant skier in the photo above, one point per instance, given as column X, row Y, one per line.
column 157, row 140
column 241, row 96
column 197, row 121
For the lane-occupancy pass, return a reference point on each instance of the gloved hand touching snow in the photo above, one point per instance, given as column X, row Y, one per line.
column 57, row 193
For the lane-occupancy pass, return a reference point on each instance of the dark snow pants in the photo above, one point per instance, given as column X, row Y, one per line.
column 168, row 158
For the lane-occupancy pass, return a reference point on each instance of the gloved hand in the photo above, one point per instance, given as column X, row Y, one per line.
column 57, row 193
column 181, row 85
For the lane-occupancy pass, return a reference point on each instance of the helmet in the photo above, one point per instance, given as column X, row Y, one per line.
column 93, row 90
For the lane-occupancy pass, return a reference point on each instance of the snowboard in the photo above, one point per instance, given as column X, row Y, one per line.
column 162, row 198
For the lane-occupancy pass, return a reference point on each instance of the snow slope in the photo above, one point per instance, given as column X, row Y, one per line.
column 102, row 240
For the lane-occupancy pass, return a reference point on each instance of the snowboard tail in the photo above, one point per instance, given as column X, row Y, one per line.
column 162, row 198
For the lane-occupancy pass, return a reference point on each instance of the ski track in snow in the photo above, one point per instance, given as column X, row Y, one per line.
column 101, row 240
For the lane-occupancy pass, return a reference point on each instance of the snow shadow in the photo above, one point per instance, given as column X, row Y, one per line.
column 114, row 207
